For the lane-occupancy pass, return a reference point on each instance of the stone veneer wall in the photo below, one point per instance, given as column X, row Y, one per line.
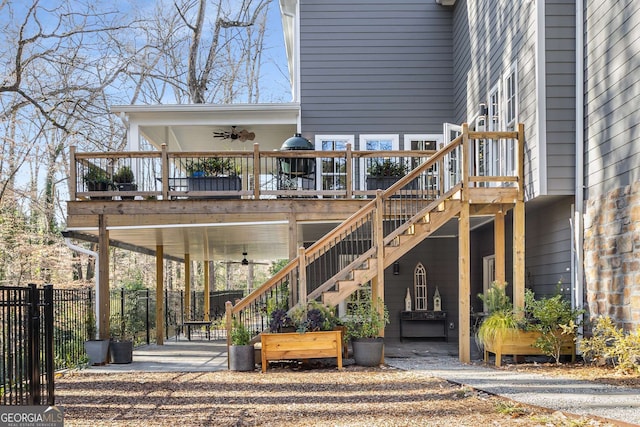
column 612, row 256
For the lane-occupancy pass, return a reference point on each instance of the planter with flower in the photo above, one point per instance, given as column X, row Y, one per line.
column 546, row 327
column 315, row 335
column 213, row 174
column 364, row 328
column 241, row 350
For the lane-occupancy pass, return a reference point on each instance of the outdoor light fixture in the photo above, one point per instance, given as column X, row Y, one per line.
column 396, row 268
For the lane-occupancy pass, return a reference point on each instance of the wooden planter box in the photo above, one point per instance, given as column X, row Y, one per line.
column 520, row 343
column 294, row 345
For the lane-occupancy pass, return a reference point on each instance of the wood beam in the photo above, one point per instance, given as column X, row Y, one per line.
column 464, row 285
column 302, row 283
column 377, row 284
column 207, row 288
column 294, row 244
column 103, row 300
column 518, row 255
column 499, row 246
column 159, row 295
column 187, row 287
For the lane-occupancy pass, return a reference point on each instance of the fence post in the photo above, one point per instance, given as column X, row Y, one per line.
column 48, row 343
column 33, row 361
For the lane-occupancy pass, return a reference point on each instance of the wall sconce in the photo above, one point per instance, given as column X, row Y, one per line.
column 396, row 268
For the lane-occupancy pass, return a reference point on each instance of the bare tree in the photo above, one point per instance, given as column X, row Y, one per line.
column 210, row 43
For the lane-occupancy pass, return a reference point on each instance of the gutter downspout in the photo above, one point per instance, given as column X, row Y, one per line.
column 578, row 288
column 82, row 250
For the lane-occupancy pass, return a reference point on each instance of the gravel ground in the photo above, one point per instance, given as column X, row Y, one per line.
column 291, row 396
column 570, row 388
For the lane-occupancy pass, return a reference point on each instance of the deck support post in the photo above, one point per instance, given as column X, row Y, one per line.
column 207, row 287
column 499, row 246
column 187, row 287
column 518, row 256
column 103, row 299
column 160, row 295
column 464, row 285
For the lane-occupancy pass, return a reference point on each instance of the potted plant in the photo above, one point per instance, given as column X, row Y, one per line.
column 363, row 329
column 382, row 174
column 241, row 351
column 308, row 332
column 212, row 174
column 124, row 181
column 97, row 179
column 96, row 349
column 121, row 345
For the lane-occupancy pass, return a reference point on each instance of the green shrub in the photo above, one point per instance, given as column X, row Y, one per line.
column 240, row 335
column 610, row 345
column 366, row 321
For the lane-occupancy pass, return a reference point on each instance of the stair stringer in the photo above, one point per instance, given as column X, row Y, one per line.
column 424, row 224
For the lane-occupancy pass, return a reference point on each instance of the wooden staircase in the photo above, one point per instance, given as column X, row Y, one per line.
column 385, row 229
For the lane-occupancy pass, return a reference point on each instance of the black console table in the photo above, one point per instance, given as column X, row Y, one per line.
column 423, row 324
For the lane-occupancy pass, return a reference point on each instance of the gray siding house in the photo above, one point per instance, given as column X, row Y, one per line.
column 407, row 67
column 402, row 76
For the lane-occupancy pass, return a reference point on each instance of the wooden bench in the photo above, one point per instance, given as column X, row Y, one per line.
column 294, row 345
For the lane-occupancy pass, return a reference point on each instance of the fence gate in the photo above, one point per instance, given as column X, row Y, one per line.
column 26, row 345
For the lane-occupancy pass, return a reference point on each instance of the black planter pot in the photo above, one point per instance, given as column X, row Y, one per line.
column 127, row 186
column 241, row 358
column 368, row 351
column 121, row 351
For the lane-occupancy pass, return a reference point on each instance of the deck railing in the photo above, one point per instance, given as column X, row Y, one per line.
column 359, row 239
column 165, row 175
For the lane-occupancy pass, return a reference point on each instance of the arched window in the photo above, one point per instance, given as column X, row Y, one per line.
column 420, row 286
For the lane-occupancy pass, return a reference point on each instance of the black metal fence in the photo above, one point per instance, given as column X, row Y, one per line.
column 43, row 330
column 26, row 345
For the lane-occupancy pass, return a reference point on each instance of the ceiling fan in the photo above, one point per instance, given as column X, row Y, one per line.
column 235, row 134
column 245, row 261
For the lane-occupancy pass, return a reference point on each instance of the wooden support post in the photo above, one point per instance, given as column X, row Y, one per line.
column 302, row 281
column 519, row 229
column 518, row 256
column 228, row 307
column 256, row 171
column 159, row 295
column 377, row 284
column 207, row 288
column 103, row 302
column 187, row 287
column 464, row 285
column 499, row 246
column 293, row 253
column 73, row 180
column 165, row 173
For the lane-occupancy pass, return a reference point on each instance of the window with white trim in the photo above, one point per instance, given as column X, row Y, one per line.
column 510, row 98
column 332, row 171
column 375, row 142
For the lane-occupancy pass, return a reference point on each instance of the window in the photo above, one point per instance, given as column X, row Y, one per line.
column 374, row 143
column 332, row 171
column 510, row 99
column 420, row 286
column 423, row 143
